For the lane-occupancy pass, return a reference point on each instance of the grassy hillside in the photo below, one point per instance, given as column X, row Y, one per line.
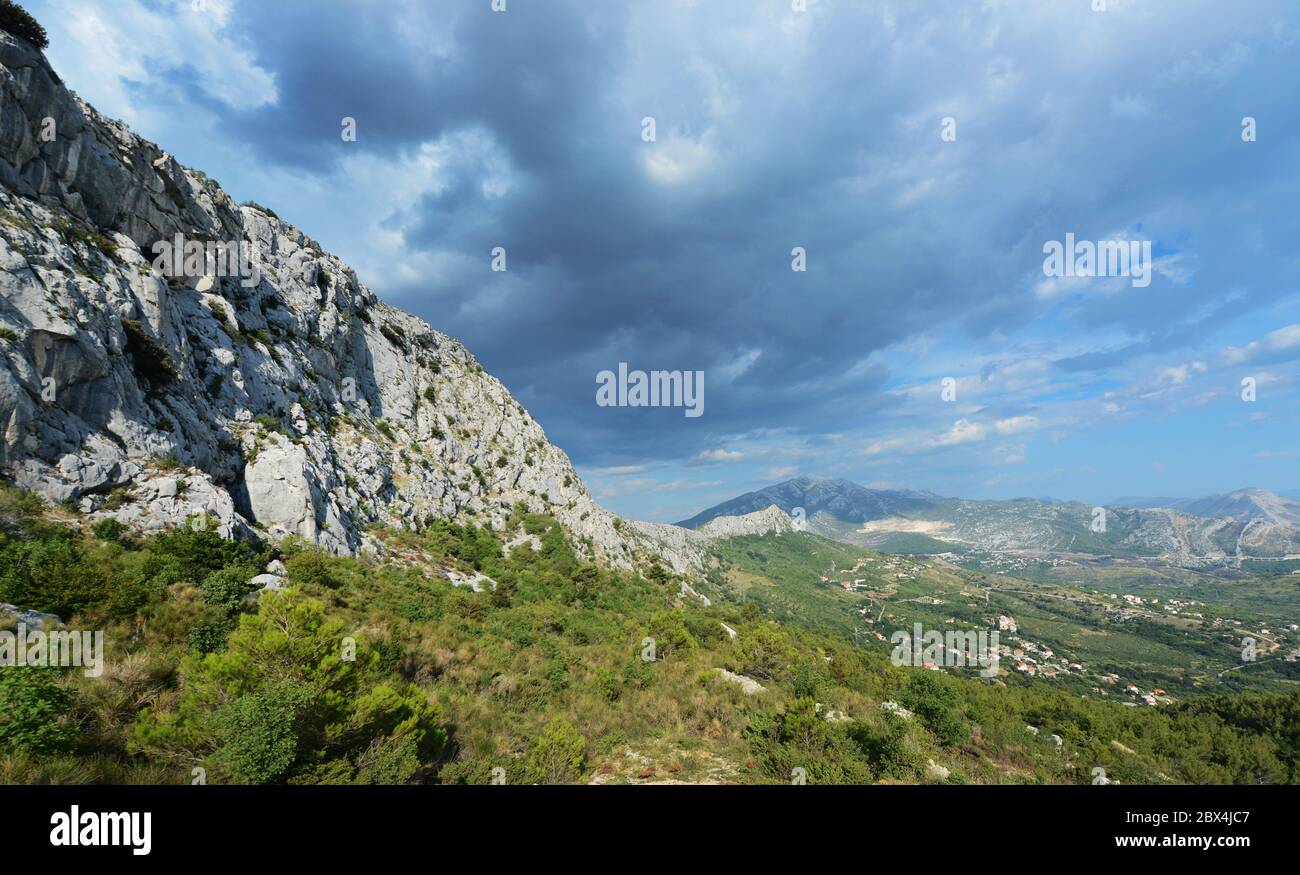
column 379, row 670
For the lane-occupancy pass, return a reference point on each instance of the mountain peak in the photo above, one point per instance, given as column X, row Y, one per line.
column 840, row 498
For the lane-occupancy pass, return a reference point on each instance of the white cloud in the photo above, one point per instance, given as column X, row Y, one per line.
column 1282, row 340
column 737, row 367
column 962, row 432
column 104, row 51
column 720, row 455
column 884, row 445
column 677, row 159
column 1015, row 424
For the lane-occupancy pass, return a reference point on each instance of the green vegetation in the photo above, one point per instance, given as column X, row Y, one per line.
column 152, row 363
column 380, row 670
column 33, row 719
column 168, row 462
column 272, row 424
column 19, row 22
column 394, row 334
column 17, row 220
column 94, row 239
column 255, row 205
column 1074, row 611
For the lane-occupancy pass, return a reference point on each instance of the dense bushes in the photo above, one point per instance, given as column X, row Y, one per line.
column 542, row 677
column 294, row 697
column 800, row 745
column 33, row 711
column 51, row 568
column 763, row 651
column 935, row 702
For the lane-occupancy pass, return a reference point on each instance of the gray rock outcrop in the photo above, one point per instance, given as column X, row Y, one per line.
column 280, row 399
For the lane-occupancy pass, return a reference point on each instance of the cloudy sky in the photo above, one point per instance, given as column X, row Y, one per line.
column 921, row 153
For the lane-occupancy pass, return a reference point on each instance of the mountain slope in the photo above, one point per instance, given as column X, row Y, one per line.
column 1249, row 522
column 841, row 499
column 285, row 399
column 1244, row 505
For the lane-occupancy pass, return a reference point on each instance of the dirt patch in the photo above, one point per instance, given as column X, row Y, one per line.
column 898, row 524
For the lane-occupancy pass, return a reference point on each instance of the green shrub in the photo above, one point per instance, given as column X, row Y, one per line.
column 21, row 513
column 32, row 712
column 889, row 747
column 293, row 697
column 19, row 22
column 668, row 629
column 50, row 575
column 557, row 756
column 935, row 702
column 168, row 462
column 257, row 729
column 801, row 741
column 209, row 636
column 313, row 568
column 198, row 552
column 17, row 220
column 108, row 529
column 763, row 651
column 255, row 205
column 225, row 588
column 92, row 239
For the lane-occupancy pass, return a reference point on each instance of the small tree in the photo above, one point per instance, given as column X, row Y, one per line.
column 558, row 755
column 19, row 22
column 669, row 631
column 936, row 704
column 763, row 651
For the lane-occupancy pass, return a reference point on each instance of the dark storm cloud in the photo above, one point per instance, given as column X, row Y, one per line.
column 824, row 135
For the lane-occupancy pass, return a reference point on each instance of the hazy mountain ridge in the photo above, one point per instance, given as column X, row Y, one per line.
column 1246, row 523
column 1279, row 507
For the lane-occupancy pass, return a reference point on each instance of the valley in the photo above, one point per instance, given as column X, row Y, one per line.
column 1178, row 631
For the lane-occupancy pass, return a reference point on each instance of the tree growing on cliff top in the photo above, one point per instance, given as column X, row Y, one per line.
column 19, row 22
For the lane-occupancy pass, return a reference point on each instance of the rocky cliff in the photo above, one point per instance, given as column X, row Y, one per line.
column 280, row 397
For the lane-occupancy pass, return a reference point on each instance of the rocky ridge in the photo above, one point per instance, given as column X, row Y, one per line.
column 285, row 400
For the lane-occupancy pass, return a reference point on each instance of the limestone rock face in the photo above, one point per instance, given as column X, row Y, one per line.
column 770, row 519
column 687, row 550
column 283, row 398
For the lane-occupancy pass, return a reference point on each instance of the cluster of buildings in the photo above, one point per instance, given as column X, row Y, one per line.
column 1014, row 563
column 888, row 567
column 1029, row 657
column 1154, row 696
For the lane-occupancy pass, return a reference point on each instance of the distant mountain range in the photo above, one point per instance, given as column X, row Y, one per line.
column 1216, row 528
column 1244, row 504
